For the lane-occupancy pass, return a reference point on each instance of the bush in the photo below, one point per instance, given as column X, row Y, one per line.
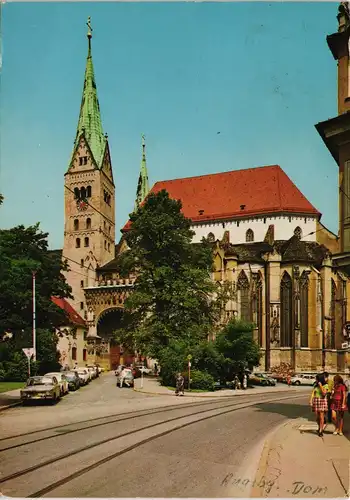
column 200, row 380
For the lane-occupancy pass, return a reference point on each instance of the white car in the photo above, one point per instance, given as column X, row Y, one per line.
column 83, row 375
column 62, row 381
column 303, row 379
column 92, row 372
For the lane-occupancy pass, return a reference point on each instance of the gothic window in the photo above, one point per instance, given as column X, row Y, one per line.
column 74, row 353
column 76, row 193
column 343, row 303
column 88, row 223
column 76, row 225
column 286, row 310
column 83, row 160
column 257, row 307
column 249, row 236
column 82, row 193
column 298, row 233
column 304, row 310
column 86, row 242
column 81, row 306
column 243, row 290
column 333, row 309
column 84, row 354
column 88, row 191
column 77, row 243
column 211, row 237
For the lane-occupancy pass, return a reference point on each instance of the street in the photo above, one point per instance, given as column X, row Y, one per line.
column 107, row 442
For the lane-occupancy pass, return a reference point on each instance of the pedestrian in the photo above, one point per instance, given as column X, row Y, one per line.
column 155, row 369
column 245, row 381
column 180, row 385
column 347, row 385
column 236, row 383
column 289, row 380
column 328, row 415
column 318, row 402
column 338, row 404
column 122, row 377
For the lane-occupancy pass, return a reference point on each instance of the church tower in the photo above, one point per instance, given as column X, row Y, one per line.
column 89, row 194
column 143, row 184
column 335, row 132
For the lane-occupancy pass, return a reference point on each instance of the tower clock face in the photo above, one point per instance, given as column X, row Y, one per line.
column 82, row 205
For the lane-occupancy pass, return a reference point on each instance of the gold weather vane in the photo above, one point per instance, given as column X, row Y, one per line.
column 88, row 24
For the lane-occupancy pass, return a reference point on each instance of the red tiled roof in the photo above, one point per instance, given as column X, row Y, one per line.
column 261, row 190
column 73, row 316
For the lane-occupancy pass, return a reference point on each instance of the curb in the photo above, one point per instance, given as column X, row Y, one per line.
column 257, row 491
column 7, row 407
column 245, row 393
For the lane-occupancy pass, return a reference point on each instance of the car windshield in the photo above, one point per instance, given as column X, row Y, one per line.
column 70, row 376
column 39, row 381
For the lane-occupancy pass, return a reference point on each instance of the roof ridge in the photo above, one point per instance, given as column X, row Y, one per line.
column 218, row 173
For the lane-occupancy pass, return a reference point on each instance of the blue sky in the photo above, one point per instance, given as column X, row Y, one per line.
column 260, row 74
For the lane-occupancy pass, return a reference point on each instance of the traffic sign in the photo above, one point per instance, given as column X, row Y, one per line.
column 28, row 351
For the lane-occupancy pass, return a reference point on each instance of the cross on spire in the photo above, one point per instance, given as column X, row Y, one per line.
column 90, row 30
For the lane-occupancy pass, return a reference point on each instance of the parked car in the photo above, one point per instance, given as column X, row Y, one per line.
column 44, row 388
column 61, row 378
column 73, row 380
column 266, row 376
column 219, row 384
column 258, row 379
column 303, row 379
column 128, row 378
column 92, row 371
column 83, row 375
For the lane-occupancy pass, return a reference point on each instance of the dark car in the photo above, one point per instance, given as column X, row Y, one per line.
column 73, row 380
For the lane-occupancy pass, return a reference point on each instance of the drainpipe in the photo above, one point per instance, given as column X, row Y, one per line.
column 267, row 318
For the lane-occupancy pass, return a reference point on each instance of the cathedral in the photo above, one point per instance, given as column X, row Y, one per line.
column 282, row 269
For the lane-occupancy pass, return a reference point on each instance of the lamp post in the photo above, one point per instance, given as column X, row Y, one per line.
column 34, row 318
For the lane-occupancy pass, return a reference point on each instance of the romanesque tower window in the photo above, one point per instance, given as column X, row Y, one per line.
column 286, row 310
column 298, row 233
column 243, row 293
column 88, row 223
column 105, row 245
column 304, row 310
column 81, row 306
column 88, row 191
column 332, row 314
column 76, row 225
column 83, row 193
column 76, row 193
column 109, row 247
column 249, row 236
column 77, row 243
column 86, row 242
column 81, row 284
column 81, row 262
column 83, row 160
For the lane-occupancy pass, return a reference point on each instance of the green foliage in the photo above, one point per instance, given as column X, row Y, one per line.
column 206, row 358
column 201, row 380
column 236, row 345
column 172, row 360
column 171, row 298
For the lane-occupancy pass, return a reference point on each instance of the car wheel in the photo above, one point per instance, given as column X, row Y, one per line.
column 297, row 382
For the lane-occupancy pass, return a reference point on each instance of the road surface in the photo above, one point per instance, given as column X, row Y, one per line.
column 107, row 442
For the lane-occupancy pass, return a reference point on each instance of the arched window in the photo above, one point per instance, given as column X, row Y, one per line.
column 88, row 223
column 257, row 306
column 74, row 353
column 211, row 237
column 82, row 193
column 249, row 236
column 88, row 192
column 304, row 310
column 86, row 242
column 104, row 225
column 76, row 193
column 105, row 245
column 286, row 310
column 298, row 232
column 243, row 290
column 81, row 262
column 331, row 343
column 109, row 229
column 77, row 243
column 109, row 247
column 76, row 225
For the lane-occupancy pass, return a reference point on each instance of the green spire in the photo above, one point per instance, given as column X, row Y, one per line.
column 142, row 186
column 90, row 119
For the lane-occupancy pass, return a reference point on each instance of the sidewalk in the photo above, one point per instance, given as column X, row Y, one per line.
column 296, row 462
column 152, row 386
column 10, row 398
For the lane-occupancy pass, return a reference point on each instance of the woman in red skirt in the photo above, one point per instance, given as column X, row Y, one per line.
column 319, row 402
column 338, row 404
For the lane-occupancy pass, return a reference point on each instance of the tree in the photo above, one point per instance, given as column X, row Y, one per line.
column 22, row 252
column 236, row 345
column 172, row 295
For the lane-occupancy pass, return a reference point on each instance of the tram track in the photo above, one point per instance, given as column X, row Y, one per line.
column 215, row 412
column 120, row 417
